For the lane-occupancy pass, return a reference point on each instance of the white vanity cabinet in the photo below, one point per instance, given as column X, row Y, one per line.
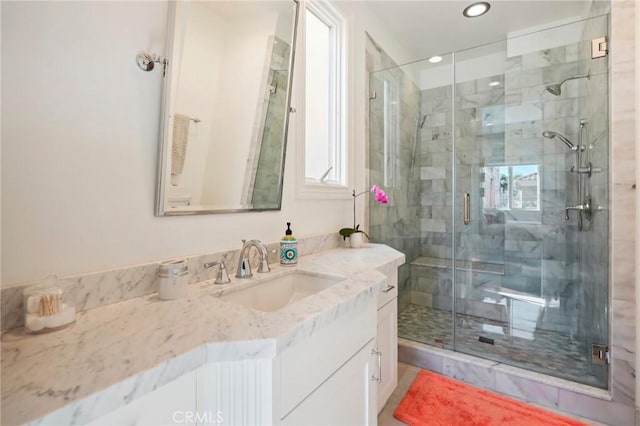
column 323, row 379
column 173, row 403
column 387, row 338
column 327, row 378
column 343, row 373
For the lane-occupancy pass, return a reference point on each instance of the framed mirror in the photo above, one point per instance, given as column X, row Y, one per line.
column 226, row 105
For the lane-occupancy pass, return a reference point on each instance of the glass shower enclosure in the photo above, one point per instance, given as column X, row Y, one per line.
column 496, row 163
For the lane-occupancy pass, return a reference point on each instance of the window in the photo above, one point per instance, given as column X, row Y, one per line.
column 511, row 187
column 325, row 153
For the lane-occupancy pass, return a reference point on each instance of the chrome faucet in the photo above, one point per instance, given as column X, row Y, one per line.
column 244, row 266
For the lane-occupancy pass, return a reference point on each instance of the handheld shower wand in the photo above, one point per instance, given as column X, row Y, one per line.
column 550, row 134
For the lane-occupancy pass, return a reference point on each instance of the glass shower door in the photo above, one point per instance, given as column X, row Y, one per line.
column 530, row 275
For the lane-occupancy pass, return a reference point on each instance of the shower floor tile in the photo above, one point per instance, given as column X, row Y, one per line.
column 547, row 352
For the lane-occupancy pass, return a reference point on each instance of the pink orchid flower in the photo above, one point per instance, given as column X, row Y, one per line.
column 380, row 195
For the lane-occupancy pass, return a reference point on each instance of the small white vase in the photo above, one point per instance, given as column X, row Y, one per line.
column 356, row 239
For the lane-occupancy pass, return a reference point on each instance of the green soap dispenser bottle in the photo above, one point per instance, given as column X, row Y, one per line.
column 288, row 248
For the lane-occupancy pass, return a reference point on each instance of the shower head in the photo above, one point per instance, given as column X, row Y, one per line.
column 555, row 89
column 549, row 134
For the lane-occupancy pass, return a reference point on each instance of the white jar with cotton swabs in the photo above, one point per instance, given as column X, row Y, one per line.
column 49, row 306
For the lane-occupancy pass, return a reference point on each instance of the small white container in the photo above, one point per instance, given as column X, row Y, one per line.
column 356, row 240
column 173, row 279
column 49, row 306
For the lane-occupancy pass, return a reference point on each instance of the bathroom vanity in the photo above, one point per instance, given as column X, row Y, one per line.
column 213, row 357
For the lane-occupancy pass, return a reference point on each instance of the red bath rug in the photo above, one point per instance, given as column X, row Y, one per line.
column 437, row 400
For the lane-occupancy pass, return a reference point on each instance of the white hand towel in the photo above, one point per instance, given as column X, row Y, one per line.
column 179, row 142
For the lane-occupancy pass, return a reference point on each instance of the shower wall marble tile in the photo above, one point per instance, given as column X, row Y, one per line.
column 434, row 161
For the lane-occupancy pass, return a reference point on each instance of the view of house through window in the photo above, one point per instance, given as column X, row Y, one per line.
column 511, row 187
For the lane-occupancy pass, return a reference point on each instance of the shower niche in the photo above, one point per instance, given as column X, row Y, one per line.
column 496, row 159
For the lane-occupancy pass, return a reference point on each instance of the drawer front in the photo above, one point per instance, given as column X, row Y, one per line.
column 389, row 290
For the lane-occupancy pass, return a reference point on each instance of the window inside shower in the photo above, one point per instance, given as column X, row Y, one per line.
column 490, row 158
column 510, row 187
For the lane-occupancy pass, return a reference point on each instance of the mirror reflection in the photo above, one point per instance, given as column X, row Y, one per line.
column 226, row 106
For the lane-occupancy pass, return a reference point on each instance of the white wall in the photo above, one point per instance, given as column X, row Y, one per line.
column 79, row 145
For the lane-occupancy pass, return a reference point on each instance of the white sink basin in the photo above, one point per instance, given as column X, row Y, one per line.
column 276, row 293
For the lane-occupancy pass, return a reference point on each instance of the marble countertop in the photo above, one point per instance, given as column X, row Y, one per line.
column 117, row 353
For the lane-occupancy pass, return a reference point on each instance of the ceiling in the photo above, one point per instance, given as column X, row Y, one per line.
column 426, row 28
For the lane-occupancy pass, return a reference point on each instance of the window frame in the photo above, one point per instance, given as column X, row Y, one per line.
column 308, row 187
column 511, row 185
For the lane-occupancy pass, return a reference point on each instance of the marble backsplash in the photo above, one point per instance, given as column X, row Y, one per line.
column 116, row 285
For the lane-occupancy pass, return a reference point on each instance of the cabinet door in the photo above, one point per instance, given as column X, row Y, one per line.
column 173, row 403
column 346, row 398
column 237, row 393
column 387, row 344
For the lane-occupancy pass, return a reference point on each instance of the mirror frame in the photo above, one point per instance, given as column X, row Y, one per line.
column 164, row 144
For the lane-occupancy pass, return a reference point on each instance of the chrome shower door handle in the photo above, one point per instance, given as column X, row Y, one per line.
column 466, row 201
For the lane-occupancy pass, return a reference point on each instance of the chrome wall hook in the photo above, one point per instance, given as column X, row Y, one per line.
column 147, row 61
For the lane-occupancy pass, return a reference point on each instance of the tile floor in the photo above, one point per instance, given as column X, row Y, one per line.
column 406, row 374
column 555, row 353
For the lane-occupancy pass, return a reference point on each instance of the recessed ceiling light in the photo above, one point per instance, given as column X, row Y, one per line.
column 494, row 83
column 476, row 9
column 435, row 59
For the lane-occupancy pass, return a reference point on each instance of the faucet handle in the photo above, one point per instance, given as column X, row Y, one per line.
column 264, row 265
column 223, row 276
column 264, row 254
